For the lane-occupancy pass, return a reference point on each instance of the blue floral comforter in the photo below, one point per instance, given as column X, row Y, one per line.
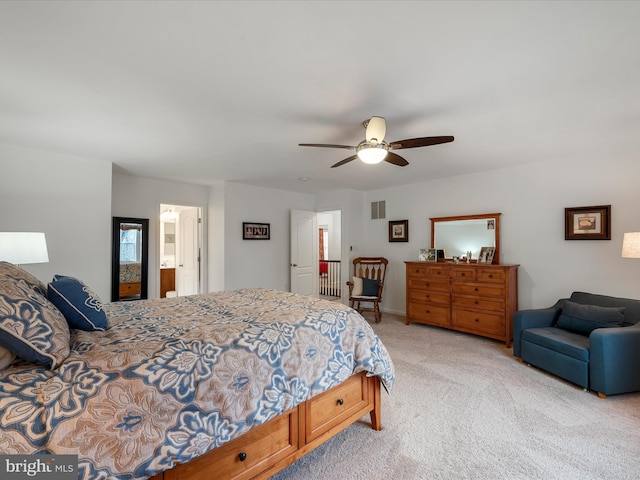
column 174, row 378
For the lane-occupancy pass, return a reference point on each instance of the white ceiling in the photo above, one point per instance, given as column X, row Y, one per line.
column 206, row 91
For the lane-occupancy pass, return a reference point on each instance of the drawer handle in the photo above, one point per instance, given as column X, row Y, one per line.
column 242, row 456
column 462, row 274
column 476, row 302
column 476, row 289
column 426, row 296
column 477, row 320
column 438, row 273
column 428, row 311
column 340, row 401
column 491, row 275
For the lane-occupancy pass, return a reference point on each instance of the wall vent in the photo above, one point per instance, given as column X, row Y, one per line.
column 378, row 210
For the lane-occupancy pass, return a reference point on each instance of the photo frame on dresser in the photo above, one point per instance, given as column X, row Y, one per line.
column 486, row 255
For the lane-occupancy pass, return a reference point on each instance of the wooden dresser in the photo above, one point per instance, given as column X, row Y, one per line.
column 469, row 297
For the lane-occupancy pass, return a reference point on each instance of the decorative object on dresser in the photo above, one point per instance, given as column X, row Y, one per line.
column 399, row 230
column 487, row 254
column 367, row 284
column 587, row 223
column 468, row 297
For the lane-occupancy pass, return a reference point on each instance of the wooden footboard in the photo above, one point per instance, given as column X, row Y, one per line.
column 271, row 447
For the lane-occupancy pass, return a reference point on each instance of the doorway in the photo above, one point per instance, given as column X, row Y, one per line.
column 330, row 254
column 180, row 250
column 316, row 253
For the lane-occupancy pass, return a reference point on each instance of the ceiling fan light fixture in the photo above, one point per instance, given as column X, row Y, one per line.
column 372, row 154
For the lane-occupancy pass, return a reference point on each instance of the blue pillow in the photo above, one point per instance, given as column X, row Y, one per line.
column 30, row 326
column 369, row 287
column 583, row 319
column 80, row 306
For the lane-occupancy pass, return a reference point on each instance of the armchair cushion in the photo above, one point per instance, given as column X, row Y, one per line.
column 584, row 319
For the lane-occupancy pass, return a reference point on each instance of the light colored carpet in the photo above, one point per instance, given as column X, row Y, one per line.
column 464, row 408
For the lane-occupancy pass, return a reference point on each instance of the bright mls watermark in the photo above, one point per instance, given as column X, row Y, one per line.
column 45, row 467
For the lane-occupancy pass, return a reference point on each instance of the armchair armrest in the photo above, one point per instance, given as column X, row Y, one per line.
column 525, row 319
column 614, row 360
column 350, row 285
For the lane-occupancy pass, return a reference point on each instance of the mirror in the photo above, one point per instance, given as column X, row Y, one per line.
column 129, row 271
column 460, row 234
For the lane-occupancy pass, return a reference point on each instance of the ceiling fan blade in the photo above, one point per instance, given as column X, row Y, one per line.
column 395, row 159
column 326, row 145
column 346, row 160
column 420, row 142
column 376, row 128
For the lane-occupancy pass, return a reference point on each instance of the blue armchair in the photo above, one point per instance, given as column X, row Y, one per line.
column 590, row 340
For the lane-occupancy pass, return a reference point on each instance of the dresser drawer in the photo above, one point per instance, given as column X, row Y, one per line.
column 245, row 456
column 326, row 410
column 416, row 270
column 429, row 313
column 482, row 303
column 468, row 274
column 428, row 284
column 479, row 289
column 430, row 296
column 438, row 271
column 496, row 275
column 478, row 321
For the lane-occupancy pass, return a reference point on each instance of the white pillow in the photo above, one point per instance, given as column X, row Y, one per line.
column 357, row 287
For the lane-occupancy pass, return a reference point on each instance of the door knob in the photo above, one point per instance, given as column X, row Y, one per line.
column 294, row 264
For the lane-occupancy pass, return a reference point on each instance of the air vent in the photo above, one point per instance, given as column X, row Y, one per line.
column 378, row 210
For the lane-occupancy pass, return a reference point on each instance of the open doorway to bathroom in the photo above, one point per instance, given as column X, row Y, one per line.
column 180, row 250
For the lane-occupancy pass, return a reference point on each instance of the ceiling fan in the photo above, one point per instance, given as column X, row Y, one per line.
column 373, row 149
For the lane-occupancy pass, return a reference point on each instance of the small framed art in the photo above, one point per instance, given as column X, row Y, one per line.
column 399, row 230
column 587, row 223
column 432, row 255
column 256, row 231
column 486, row 255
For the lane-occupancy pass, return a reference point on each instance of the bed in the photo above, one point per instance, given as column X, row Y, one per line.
column 130, row 280
column 234, row 384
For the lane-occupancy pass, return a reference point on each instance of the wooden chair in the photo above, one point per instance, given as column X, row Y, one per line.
column 367, row 284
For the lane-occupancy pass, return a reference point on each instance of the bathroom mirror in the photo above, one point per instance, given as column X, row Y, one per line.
column 461, row 234
column 129, row 262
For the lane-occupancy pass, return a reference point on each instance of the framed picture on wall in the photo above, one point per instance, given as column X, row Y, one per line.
column 256, row 231
column 587, row 223
column 399, row 230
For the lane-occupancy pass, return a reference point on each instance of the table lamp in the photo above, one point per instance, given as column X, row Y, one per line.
column 631, row 245
column 21, row 248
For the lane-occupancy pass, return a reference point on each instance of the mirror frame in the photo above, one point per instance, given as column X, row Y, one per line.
column 115, row 257
column 480, row 216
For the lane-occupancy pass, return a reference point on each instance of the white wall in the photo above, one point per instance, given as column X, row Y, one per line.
column 69, row 199
column 255, row 263
column 141, row 198
column 532, row 199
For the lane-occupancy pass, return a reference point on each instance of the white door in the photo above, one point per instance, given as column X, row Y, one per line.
column 187, row 270
column 304, row 253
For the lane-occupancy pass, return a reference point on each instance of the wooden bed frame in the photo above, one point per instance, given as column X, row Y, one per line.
column 265, row 450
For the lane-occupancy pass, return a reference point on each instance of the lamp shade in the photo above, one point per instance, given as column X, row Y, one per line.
column 372, row 155
column 631, row 245
column 23, row 247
